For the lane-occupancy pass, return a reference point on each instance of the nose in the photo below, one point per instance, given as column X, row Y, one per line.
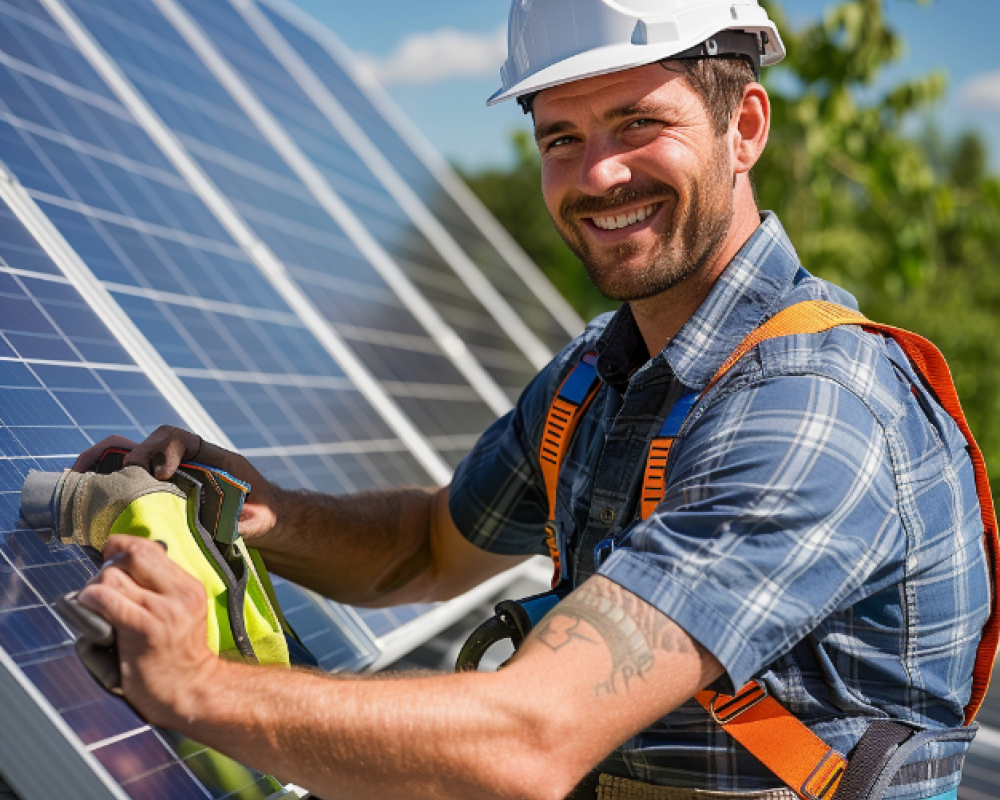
column 602, row 169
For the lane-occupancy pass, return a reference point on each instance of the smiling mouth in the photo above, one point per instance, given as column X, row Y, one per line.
column 613, row 223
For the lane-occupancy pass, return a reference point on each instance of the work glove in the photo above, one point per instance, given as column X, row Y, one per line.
column 82, row 508
column 244, row 621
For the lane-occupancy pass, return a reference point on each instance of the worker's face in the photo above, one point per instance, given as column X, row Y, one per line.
column 635, row 178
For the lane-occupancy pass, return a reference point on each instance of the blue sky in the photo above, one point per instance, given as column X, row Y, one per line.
column 439, row 60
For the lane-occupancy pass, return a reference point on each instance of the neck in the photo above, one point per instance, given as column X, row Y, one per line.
column 662, row 316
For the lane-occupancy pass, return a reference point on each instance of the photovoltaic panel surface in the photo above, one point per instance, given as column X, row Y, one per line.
column 64, row 384
column 250, row 362
column 394, row 138
column 353, row 179
column 283, row 212
column 168, row 262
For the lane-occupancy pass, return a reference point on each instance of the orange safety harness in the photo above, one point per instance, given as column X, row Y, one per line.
column 803, row 761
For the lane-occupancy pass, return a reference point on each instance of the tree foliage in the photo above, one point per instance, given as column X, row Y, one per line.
column 874, row 198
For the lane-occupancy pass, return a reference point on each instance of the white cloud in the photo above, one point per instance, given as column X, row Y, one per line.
column 439, row 55
column 982, row 92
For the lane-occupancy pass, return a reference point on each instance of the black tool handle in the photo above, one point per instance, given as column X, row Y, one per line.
column 97, row 644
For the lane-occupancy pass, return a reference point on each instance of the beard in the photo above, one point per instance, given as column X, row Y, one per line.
column 690, row 233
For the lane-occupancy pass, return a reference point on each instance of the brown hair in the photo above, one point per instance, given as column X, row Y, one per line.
column 719, row 82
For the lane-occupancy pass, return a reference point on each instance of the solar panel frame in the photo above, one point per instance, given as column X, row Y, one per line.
column 242, row 233
column 493, row 301
column 340, row 212
column 31, row 727
column 411, row 140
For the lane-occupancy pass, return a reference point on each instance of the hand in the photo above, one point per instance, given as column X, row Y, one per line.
column 159, row 613
column 89, row 457
column 165, row 448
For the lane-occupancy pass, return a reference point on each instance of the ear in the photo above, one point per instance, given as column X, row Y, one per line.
column 750, row 127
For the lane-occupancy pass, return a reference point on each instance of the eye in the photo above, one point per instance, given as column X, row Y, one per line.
column 560, row 142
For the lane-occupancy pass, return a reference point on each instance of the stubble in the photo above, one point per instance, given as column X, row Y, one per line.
column 691, row 231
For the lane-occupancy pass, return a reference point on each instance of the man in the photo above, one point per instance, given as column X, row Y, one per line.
column 820, row 529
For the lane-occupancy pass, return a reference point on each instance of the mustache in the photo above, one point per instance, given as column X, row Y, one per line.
column 586, row 205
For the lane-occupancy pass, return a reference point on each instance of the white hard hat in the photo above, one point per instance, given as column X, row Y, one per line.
column 551, row 42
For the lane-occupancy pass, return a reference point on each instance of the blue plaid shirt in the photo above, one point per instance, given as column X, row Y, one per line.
column 820, row 528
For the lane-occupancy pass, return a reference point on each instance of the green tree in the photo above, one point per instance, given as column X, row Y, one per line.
column 908, row 222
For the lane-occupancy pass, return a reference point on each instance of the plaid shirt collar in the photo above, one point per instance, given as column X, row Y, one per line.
column 749, row 291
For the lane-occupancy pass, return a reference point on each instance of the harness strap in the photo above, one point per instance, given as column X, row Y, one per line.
column 772, row 734
column 815, row 316
column 575, row 394
column 654, row 481
column 804, row 762
column 758, row 722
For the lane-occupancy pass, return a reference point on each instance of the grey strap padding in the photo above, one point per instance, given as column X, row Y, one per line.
column 882, row 758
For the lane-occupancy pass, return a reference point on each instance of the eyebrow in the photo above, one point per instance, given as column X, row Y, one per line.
column 640, row 109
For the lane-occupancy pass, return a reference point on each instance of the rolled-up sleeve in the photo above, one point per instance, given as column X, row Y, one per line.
column 780, row 510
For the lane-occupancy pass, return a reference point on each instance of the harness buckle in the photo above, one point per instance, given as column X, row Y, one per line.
column 823, row 781
column 749, row 696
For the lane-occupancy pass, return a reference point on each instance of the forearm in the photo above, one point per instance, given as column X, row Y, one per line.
column 434, row 736
column 600, row 667
column 361, row 549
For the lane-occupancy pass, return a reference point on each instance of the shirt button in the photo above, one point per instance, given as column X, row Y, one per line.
column 607, row 515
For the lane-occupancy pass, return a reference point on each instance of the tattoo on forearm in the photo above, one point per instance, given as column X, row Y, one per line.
column 631, row 629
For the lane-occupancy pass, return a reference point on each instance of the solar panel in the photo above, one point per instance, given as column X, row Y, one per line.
column 365, row 179
column 65, row 382
column 424, row 171
column 299, row 216
column 191, row 233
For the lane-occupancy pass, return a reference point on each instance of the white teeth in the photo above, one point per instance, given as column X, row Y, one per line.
column 623, row 220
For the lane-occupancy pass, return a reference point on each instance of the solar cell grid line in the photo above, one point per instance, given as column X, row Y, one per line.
column 380, row 354
column 116, row 244
column 494, row 302
column 339, row 211
column 386, row 213
column 420, row 164
column 54, row 402
column 191, row 411
column 315, row 471
column 221, row 214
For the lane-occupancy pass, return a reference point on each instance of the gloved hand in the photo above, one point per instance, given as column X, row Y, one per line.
column 87, row 508
column 163, row 451
column 82, row 508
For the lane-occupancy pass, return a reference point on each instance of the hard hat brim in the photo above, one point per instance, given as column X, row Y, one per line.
column 617, row 58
